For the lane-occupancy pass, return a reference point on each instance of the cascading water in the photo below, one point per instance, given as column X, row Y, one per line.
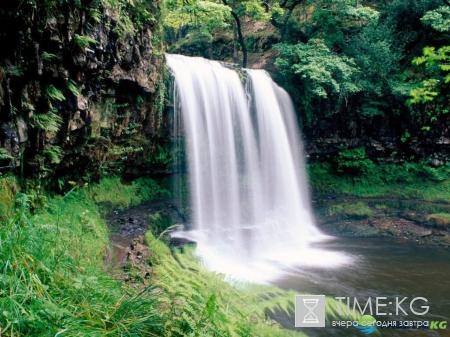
column 248, row 188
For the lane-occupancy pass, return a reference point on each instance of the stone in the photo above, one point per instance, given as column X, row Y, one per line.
column 81, row 102
column 22, row 129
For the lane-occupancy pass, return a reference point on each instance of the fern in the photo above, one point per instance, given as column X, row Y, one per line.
column 4, row 154
column 47, row 56
column 73, row 87
column 47, row 122
column 85, row 41
column 195, row 302
column 95, row 14
column 55, row 94
column 54, row 154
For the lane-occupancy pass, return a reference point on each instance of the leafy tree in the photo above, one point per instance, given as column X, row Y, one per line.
column 321, row 73
column 205, row 14
column 437, row 63
column 439, row 19
column 433, row 87
column 252, row 8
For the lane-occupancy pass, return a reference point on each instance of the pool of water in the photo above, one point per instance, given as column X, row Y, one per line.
column 380, row 268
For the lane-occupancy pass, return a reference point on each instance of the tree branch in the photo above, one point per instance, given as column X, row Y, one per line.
column 240, row 36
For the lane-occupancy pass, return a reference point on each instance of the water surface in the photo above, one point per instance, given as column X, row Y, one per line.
column 380, row 268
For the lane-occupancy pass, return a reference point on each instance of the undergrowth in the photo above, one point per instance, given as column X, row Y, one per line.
column 440, row 219
column 52, row 277
column 359, row 210
column 110, row 192
column 397, row 181
column 53, row 280
column 196, row 302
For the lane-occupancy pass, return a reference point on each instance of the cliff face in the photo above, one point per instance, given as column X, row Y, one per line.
column 392, row 138
column 79, row 95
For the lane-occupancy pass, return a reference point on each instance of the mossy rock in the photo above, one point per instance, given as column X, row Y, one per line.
column 439, row 219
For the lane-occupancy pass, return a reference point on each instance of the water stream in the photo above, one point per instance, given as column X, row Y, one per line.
column 248, row 187
column 381, row 268
column 252, row 218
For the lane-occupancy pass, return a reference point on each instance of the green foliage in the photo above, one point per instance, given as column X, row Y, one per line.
column 52, row 277
column 4, row 154
column 47, row 56
column 47, row 122
column 439, row 19
column 112, row 193
column 376, row 55
column 95, row 14
column 195, row 13
column 359, row 210
column 54, row 93
column 318, row 70
column 195, row 302
column 354, row 161
column 149, row 189
column 161, row 155
column 161, row 99
column 440, row 219
column 54, row 154
column 134, row 14
column 159, row 223
column 85, row 41
column 401, row 181
column 437, row 63
column 73, row 87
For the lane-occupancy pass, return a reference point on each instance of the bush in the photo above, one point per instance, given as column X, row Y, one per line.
column 112, row 193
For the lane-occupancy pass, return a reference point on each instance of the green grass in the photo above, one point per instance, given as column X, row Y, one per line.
column 404, row 181
column 52, row 274
column 53, row 280
column 359, row 210
column 196, row 302
column 440, row 219
column 111, row 193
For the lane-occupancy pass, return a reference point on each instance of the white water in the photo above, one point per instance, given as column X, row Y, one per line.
column 249, row 193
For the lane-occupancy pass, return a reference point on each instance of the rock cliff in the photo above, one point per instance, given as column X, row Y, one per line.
column 79, row 95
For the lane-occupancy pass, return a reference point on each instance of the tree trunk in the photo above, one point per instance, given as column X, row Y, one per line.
column 240, row 39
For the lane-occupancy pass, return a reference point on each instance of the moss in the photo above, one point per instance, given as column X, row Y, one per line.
column 440, row 219
column 405, row 181
column 359, row 210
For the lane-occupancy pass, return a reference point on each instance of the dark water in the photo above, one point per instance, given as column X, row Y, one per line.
column 381, row 268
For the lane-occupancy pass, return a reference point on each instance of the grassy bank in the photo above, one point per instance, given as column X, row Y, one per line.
column 417, row 181
column 52, row 276
column 53, row 280
column 196, row 302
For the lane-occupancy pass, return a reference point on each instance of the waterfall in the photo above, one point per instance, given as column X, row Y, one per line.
column 248, row 187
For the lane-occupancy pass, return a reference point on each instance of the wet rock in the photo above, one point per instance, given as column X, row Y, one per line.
column 439, row 233
column 427, row 233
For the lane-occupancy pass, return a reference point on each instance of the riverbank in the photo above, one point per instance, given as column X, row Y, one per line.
column 407, row 202
column 56, row 277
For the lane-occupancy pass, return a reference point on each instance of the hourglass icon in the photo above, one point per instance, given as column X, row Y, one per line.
column 310, row 304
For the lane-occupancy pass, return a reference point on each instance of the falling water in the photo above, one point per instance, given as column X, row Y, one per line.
column 252, row 216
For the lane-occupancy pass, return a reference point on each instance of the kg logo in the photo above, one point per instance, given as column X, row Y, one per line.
column 367, row 324
column 310, row 311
